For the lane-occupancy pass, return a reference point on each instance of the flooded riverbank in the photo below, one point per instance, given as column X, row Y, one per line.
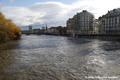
column 59, row 58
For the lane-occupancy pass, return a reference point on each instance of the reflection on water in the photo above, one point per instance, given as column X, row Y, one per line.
column 58, row 58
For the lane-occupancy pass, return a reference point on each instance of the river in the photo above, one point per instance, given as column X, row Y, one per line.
column 42, row 57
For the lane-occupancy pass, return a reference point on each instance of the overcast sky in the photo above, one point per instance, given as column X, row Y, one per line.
column 53, row 13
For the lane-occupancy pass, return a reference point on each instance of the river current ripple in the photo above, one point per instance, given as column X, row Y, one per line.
column 42, row 57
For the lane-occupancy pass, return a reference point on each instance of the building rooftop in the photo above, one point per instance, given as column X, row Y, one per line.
column 112, row 13
column 114, row 10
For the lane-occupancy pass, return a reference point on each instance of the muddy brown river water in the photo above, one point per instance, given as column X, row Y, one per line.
column 41, row 57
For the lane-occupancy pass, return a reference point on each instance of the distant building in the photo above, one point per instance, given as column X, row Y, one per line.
column 43, row 28
column 36, row 31
column 110, row 23
column 82, row 23
column 25, row 31
column 96, row 27
column 46, row 27
column 69, row 26
column 52, row 30
column 30, row 28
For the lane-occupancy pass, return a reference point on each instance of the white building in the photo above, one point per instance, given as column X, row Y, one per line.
column 83, row 23
column 110, row 23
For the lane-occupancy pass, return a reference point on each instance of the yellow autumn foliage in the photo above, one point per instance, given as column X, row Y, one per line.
column 8, row 30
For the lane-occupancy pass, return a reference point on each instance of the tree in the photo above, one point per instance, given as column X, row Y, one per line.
column 8, row 30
